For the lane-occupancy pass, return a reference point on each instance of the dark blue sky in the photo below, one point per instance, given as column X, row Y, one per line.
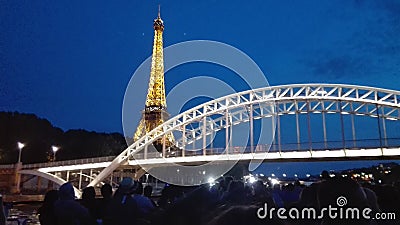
column 70, row 61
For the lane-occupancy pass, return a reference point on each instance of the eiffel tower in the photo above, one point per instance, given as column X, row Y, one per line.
column 155, row 110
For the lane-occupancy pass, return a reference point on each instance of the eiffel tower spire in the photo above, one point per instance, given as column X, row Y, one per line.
column 155, row 110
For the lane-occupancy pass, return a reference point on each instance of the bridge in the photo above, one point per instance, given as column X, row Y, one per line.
column 196, row 130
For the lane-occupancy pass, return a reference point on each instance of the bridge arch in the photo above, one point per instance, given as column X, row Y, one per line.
column 50, row 177
column 276, row 100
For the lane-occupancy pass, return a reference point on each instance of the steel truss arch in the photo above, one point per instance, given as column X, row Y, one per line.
column 292, row 106
column 272, row 101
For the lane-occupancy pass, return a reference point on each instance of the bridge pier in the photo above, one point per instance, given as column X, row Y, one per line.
column 39, row 184
column 16, row 180
column 8, row 178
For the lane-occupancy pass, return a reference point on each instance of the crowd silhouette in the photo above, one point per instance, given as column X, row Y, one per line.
column 229, row 201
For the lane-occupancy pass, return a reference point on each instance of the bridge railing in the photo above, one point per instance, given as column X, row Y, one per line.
column 287, row 147
column 7, row 166
column 69, row 162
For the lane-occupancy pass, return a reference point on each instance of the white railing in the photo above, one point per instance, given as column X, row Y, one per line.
column 69, row 162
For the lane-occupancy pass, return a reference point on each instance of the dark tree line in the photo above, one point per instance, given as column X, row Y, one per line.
column 39, row 135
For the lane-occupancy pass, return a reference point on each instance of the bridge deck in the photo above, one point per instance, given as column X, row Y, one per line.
column 234, row 155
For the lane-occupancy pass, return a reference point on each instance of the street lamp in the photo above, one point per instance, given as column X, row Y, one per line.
column 55, row 149
column 20, row 146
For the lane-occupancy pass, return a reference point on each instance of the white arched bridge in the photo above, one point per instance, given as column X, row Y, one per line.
column 308, row 107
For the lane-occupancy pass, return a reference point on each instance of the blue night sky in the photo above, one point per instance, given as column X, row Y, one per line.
column 70, row 61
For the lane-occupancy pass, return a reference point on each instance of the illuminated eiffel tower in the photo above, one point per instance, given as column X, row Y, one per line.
column 155, row 110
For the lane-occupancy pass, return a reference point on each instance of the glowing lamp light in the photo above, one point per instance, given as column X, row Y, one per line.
column 252, row 179
column 211, row 181
column 55, row 148
column 20, row 145
column 274, row 181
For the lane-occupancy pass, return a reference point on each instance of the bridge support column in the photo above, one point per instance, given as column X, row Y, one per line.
column 183, row 140
column 226, row 132
column 273, row 132
column 204, row 135
column 80, row 180
column 91, row 175
column 379, row 126
column 309, row 127
column 384, row 128
column 251, row 129
column 297, row 129
column 324, row 126
column 353, row 128
column 353, row 131
column 145, row 151
column 212, row 135
column 231, row 134
column 16, row 182
column 39, row 184
column 278, row 124
column 194, row 140
column 342, row 127
column 163, row 147
column 324, row 130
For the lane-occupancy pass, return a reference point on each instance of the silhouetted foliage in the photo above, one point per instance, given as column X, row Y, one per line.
column 39, row 135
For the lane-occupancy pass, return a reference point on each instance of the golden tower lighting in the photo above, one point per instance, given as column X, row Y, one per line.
column 155, row 110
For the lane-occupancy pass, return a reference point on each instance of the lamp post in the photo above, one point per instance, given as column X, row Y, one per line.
column 18, row 168
column 55, row 149
column 20, row 146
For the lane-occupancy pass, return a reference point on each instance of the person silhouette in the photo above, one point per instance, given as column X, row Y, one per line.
column 67, row 210
column 46, row 211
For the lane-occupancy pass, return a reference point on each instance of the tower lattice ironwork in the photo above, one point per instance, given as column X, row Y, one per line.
column 155, row 111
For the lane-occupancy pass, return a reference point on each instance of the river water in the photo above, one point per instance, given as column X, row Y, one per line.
column 23, row 212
